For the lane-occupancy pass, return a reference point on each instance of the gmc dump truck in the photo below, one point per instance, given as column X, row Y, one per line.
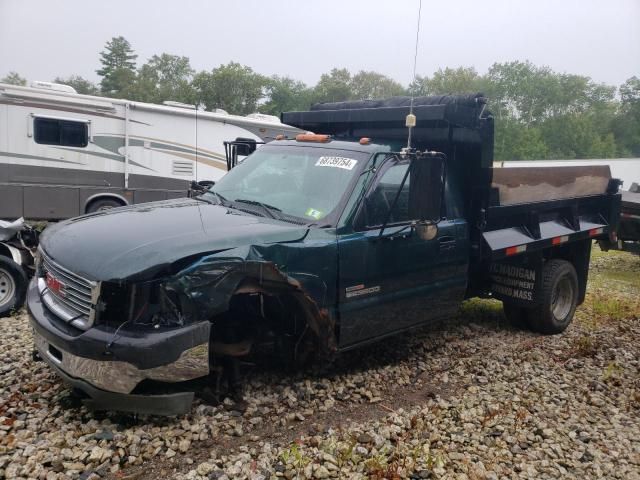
column 312, row 246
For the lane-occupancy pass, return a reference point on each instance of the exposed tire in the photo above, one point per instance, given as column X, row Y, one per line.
column 558, row 298
column 516, row 315
column 13, row 286
column 103, row 204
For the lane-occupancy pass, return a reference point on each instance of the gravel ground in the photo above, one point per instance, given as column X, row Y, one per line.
column 477, row 399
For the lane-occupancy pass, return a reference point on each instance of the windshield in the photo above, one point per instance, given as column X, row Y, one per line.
column 304, row 182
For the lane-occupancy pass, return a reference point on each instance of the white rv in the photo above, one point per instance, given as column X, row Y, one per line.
column 63, row 154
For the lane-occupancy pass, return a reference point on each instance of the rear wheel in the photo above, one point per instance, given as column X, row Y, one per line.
column 557, row 300
column 103, row 204
column 13, row 286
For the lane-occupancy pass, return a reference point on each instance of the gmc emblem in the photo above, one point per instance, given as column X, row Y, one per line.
column 55, row 285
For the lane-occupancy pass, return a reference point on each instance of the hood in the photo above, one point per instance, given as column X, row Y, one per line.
column 141, row 240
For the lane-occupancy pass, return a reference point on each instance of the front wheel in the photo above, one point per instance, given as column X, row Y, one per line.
column 13, row 286
column 558, row 298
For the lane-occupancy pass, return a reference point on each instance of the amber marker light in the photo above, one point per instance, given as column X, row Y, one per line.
column 312, row 137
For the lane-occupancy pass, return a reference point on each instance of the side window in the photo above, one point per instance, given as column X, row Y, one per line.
column 380, row 200
column 51, row 131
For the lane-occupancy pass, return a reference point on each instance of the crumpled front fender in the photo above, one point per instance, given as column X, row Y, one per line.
column 207, row 286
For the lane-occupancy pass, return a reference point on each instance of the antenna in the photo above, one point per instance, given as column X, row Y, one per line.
column 410, row 121
column 198, row 178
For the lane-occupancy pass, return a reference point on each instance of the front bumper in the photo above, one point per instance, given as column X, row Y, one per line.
column 108, row 371
column 167, row 404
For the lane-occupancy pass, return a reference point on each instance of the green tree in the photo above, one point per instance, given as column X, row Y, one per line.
column 165, row 77
column 334, row 86
column 577, row 136
column 80, row 85
column 13, row 78
column 118, row 70
column 285, row 95
column 449, row 81
column 515, row 141
column 233, row 87
column 532, row 94
column 626, row 125
column 630, row 93
column 370, row 85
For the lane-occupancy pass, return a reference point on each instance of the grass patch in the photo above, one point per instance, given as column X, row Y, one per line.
column 613, row 308
column 632, row 278
column 613, row 291
column 612, row 373
column 602, row 307
column 481, row 309
column 584, row 346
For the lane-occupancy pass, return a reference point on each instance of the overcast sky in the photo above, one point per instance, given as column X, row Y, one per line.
column 42, row 39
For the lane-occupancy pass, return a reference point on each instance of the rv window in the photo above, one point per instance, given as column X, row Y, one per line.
column 50, row 131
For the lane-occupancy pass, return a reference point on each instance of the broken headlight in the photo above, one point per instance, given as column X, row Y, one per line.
column 187, row 297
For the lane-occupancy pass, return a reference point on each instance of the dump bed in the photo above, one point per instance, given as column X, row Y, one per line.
column 533, row 208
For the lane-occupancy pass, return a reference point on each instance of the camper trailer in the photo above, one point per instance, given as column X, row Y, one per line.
column 63, row 154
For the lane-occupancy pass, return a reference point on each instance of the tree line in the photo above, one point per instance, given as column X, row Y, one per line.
column 539, row 113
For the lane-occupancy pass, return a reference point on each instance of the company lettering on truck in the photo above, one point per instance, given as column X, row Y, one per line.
column 512, row 281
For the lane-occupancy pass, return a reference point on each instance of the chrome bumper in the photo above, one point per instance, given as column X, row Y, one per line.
column 122, row 377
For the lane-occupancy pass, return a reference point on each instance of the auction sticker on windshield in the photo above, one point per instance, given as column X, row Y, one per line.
column 337, row 162
column 313, row 213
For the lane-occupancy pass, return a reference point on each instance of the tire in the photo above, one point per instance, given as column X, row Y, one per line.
column 516, row 315
column 558, row 298
column 103, row 204
column 13, row 286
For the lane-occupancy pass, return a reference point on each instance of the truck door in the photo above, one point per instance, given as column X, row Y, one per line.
column 396, row 280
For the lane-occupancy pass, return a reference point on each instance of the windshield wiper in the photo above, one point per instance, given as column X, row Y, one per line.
column 219, row 198
column 267, row 208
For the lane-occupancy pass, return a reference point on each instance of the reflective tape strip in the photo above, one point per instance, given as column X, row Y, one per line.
column 559, row 240
column 513, row 250
column 595, row 231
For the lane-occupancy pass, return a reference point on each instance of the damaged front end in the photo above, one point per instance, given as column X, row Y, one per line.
column 149, row 337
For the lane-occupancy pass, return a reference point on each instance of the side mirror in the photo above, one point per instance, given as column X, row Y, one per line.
column 243, row 149
column 245, row 146
column 426, row 231
column 427, row 187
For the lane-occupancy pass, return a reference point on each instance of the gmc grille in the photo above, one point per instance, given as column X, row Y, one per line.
column 68, row 295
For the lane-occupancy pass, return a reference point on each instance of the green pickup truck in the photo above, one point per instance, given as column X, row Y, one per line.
column 311, row 246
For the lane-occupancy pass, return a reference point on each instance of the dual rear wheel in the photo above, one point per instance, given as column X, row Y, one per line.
column 557, row 301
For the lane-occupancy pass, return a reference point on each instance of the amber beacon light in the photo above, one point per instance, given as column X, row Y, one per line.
column 312, row 137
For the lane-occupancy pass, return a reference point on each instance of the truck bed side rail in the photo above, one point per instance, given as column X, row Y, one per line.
column 538, row 208
column 524, row 228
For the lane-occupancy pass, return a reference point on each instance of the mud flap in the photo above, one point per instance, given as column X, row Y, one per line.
column 516, row 280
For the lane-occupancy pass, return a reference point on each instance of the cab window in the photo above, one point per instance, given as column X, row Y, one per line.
column 381, row 198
